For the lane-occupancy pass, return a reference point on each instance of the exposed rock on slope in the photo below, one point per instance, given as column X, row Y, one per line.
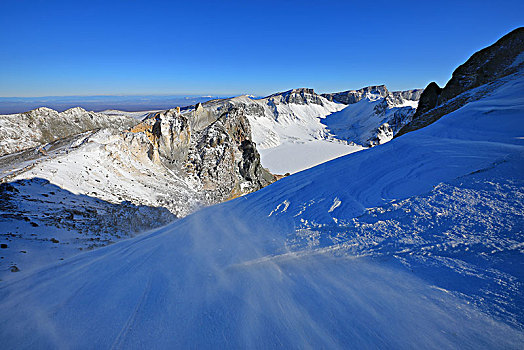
column 211, row 145
column 503, row 58
column 48, row 223
column 299, row 96
column 353, row 96
column 428, row 99
column 44, row 125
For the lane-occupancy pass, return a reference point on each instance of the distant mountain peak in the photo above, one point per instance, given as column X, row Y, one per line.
column 378, row 91
column 297, row 96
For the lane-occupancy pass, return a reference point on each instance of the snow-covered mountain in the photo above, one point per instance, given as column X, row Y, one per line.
column 416, row 243
column 43, row 125
column 116, row 165
column 163, row 168
column 374, row 114
column 178, row 160
column 297, row 129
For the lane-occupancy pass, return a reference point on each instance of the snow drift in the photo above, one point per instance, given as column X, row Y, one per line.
column 414, row 243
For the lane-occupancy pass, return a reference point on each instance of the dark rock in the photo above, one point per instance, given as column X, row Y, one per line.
column 14, row 268
column 6, row 187
column 54, row 240
column 428, row 99
column 3, row 246
column 484, row 67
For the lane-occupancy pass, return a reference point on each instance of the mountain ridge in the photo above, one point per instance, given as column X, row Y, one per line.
column 504, row 57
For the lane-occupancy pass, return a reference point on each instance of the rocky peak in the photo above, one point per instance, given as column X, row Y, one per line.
column 299, row 96
column 503, row 58
column 354, row 96
column 486, row 65
column 210, row 143
column 428, row 98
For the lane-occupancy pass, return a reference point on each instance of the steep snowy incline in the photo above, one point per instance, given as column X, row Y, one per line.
column 415, row 243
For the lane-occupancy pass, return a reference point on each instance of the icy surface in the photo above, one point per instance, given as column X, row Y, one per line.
column 416, row 243
column 293, row 157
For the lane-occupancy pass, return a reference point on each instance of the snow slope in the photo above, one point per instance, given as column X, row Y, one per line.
column 109, row 166
column 415, row 243
column 42, row 223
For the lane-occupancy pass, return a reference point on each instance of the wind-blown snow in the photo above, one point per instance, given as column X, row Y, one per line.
column 416, row 243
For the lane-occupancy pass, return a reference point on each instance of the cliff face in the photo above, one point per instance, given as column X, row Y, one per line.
column 501, row 59
column 212, row 145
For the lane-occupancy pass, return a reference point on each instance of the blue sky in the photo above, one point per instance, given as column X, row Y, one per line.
column 234, row 47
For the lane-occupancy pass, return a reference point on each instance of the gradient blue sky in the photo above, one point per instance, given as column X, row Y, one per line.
column 234, row 47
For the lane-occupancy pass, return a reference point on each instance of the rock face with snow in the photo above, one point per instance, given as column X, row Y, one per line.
column 43, row 125
column 503, row 58
column 212, row 145
column 299, row 96
column 374, row 114
column 298, row 128
column 353, row 96
column 92, row 189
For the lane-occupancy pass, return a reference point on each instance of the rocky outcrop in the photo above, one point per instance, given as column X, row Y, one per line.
column 393, row 118
column 209, row 143
column 373, row 115
column 44, row 125
column 353, row 96
column 503, row 58
column 428, row 99
column 412, row 95
column 299, row 96
column 487, row 65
